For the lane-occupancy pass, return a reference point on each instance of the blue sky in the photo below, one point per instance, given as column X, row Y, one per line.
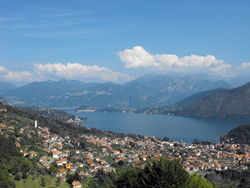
column 121, row 40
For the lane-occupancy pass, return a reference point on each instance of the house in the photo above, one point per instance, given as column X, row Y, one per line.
column 82, row 174
column 78, row 164
column 32, row 154
column 116, row 152
column 144, row 157
column 56, row 154
column 76, row 184
column 2, row 126
column 47, row 166
column 63, row 171
column 66, row 153
column 3, row 110
column 109, row 169
column 72, row 169
column 43, row 158
column 18, row 145
column 64, row 160
column 68, row 165
column 59, row 146
column 59, row 174
column 59, row 163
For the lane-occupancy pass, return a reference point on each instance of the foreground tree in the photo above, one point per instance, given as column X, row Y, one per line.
column 163, row 173
column 159, row 173
column 196, row 181
column 127, row 178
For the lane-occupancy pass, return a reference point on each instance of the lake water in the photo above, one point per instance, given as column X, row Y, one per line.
column 176, row 128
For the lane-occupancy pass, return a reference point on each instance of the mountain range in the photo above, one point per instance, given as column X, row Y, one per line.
column 149, row 90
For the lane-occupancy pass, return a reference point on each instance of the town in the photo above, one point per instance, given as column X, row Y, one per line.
column 107, row 153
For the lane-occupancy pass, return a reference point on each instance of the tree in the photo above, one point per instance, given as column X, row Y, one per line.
column 70, row 178
column 83, row 144
column 102, row 179
column 43, row 181
column 58, row 181
column 76, row 177
column 15, row 168
column 26, row 165
column 52, row 169
column 121, row 163
column 165, row 139
column 127, row 178
column 8, row 148
column 17, row 177
column 196, row 181
column 157, row 173
column 162, row 173
column 5, row 179
column 24, row 174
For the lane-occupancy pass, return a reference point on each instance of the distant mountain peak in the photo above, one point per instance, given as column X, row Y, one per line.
column 149, row 90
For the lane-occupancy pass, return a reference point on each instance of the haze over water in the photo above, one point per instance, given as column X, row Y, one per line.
column 176, row 128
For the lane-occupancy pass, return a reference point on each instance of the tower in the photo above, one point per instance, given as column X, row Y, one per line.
column 35, row 123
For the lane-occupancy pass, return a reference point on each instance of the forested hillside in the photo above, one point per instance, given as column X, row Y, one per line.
column 225, row 103
column 239, row 135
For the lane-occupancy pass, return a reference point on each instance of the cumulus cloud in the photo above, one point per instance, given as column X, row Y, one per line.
column 9, row 75
column 138, row 57
column 244, row 68
column 80, row 72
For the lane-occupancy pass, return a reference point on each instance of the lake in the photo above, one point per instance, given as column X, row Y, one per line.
column 176, row 128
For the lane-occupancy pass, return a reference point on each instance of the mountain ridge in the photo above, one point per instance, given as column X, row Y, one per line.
column 6, row 86
column 234, row 103
column 153, row 90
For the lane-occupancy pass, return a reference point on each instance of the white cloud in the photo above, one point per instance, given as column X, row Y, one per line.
column 79, row 72
column 243, row 70
column 9, row 75
column 245, row 67
column 138, row 57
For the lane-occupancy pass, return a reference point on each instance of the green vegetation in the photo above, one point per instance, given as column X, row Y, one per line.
column 229, row 178
column 11, row 161
column 158, row 173
column 37, row 183
column 51, row 113
column 239, row 135
column 16, row 170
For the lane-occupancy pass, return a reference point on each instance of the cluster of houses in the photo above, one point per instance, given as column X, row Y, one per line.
column 194, row 157
column 136, row 151
column 110, row 150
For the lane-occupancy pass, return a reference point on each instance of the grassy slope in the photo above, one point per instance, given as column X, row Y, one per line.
column 50, row 182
